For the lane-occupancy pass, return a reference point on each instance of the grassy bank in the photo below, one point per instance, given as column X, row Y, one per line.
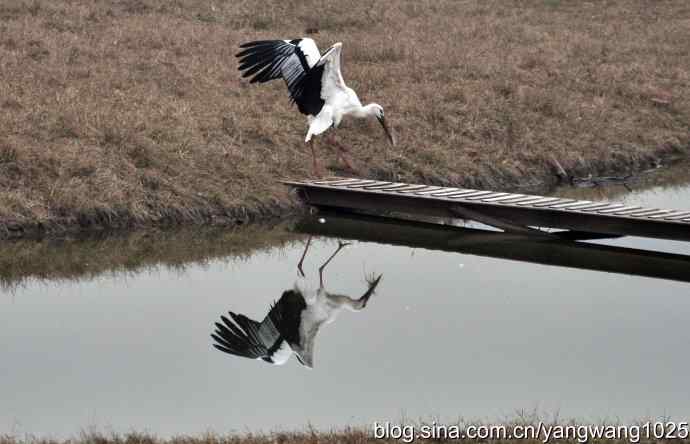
column 132, row 112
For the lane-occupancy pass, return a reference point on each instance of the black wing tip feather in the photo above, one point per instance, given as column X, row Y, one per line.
column 234, row 339
column 225, row 350
column 263, row 59
column 257, row 45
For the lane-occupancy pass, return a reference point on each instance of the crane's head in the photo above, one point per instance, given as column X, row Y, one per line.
column 377, row 111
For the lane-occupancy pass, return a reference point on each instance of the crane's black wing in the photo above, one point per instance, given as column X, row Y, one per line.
column 295, row 61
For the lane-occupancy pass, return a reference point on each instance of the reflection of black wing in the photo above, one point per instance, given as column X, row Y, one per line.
column 250, row 339
column 287, row 315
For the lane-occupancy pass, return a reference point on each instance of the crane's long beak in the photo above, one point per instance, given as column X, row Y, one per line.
column 387, row 129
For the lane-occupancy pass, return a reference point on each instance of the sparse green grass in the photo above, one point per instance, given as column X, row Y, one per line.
column 128, row 113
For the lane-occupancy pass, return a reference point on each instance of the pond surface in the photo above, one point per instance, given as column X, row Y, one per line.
column 446, row 335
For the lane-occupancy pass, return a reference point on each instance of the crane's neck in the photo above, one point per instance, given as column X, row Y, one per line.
column 363, row 112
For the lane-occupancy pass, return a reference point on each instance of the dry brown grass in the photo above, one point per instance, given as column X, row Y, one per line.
column 132, row 112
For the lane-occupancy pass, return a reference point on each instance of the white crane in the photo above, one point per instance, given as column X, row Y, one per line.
column 291, row 324
column 314, row 82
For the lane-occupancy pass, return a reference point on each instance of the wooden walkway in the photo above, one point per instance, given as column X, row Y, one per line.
column 518, row 213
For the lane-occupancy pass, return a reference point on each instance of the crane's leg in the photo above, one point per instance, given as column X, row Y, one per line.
column 342, row 150
column 301, row 259
column 341, row 245
column 316, row 170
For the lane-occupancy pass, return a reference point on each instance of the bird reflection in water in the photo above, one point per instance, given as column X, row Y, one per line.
column 291, row 324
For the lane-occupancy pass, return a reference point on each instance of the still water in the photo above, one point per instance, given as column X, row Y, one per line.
column 446, row 335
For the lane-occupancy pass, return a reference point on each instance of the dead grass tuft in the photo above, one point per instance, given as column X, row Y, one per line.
column 132, row 112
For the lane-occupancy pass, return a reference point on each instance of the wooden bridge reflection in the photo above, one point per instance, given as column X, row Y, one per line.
column 503, row 245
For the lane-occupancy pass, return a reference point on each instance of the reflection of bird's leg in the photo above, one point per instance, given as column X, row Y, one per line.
column 345, row 301
column 355, row 304
column 341, row 245
column 342, row 150
column 301, row 260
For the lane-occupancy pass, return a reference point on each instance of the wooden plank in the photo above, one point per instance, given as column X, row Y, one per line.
column 580, row 204
column 490, row 197
column 678, row 215
column 506, row 199
column 430, row 191
column 648, row 214
column 461, row 194
column 336, row 181
column 610, row 208
column 565, row 203
column 544, row 201
column 627, row 210
column 410, row 188
column 468, row 196
column 589, row 206
column 616, row 209
column 644, row 212
column 388, row 186
column 365, row 183
column 451, row 191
